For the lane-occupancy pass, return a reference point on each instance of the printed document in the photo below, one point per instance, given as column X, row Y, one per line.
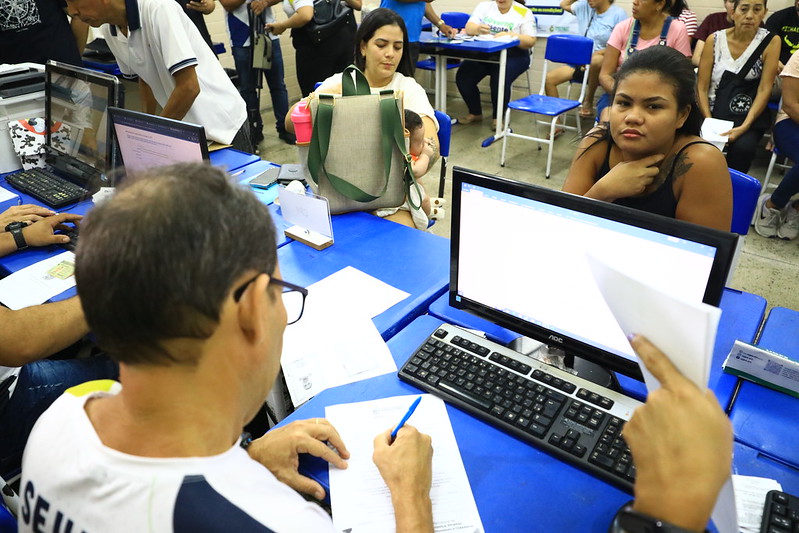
column 359, row 498
column 336, row 341
column 684, row 330
column 39, row 282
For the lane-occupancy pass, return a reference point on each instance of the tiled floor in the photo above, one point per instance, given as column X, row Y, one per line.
column 768, row 267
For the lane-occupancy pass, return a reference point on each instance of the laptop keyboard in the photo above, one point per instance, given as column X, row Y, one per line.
column 54, row 191
column 573, row 419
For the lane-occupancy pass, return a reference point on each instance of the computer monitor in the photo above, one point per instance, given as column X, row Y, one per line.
column 519, row 259
column 147, row 141
column 78, row 139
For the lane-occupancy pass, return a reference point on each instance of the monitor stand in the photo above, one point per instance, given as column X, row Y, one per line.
column 579, row 366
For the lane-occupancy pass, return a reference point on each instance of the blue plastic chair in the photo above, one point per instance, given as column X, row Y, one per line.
column 8, row 524
column 569, row 49
column 444, row 137
column 745, row 193
column 458, row 21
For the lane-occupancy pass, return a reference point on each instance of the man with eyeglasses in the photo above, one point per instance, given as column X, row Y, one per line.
column 179, row 281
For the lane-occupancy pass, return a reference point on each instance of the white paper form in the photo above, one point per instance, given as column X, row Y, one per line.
column 684, row 330
column 712, row 129
column 34, row 285
column 359, row 497
column 336, row 341
column 6, row 195
column 750, row 497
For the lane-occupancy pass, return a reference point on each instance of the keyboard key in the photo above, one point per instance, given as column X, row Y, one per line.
column 440, row 333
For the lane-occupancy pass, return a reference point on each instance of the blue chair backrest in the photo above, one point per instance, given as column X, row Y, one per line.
column 571, row 49
column 444, row 132
column 745, row 193
column 455, row 19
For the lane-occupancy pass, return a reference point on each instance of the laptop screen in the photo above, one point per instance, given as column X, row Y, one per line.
column 76, row 104
column 147, row 141
column 519, row 258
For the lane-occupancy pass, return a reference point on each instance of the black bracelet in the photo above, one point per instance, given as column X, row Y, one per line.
column 246, row 440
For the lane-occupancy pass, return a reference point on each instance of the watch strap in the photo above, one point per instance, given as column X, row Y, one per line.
column 628, row 520
column 19, row 238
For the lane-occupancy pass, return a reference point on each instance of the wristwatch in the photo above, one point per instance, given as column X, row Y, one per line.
column 15, row 229
column 628, row 520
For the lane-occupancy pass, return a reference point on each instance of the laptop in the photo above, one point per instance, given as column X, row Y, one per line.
column 78, row 148
column 148, row 141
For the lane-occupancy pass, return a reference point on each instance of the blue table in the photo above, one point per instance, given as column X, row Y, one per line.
column 516, row 486
column 443, row 48
column 765, row 419
column 231, row 160
column 408, row 259
column 742, row 313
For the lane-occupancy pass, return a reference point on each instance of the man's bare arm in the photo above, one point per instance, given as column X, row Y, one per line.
column 37, row 332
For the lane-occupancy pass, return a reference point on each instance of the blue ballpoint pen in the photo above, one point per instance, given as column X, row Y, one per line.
column 405, row 418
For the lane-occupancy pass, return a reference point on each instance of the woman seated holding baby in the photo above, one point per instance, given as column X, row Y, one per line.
column 382, row 54
column 649, row 156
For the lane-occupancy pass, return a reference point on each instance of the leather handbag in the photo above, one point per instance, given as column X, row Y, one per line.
column 329, row 16
column 358, row 157
column 735, row 94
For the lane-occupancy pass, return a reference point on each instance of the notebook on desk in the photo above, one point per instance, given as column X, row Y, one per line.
column 519, row 258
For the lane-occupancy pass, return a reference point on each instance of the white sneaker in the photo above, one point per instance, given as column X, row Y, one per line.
column 789, row 228
column 766, row 220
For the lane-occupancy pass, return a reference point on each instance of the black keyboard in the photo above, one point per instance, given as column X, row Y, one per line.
column 780, row 514
column 46, row 187
column 571, row 418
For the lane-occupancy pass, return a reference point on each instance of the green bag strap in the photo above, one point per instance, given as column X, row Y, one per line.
column 358, row 87
column 398, row 134
column 320, row 137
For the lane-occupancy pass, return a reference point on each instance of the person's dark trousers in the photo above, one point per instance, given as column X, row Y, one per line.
column 317, row 62
column 786, row 136
column 242, row 58
column 741, row 152
column 277, row 89
column 242, row 140
column 413, row 52
column 37, row 386
column 470, row 73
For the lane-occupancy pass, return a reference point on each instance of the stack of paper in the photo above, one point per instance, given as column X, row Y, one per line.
column 359, row 497
column 336, row 341
column 39, row 282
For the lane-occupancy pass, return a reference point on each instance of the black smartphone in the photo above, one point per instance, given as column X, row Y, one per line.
column 265, row 179
column 289, row 173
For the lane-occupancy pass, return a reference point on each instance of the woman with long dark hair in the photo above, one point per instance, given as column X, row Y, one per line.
column 649, row 156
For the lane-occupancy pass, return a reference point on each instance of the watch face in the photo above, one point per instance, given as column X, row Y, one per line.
column 16, row 225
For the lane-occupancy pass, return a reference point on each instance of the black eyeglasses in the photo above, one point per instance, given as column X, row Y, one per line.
column 293, row 297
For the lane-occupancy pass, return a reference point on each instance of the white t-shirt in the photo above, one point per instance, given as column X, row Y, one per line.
column 161, row 41
column 414, row 95
column 71, row 479
column 518, row 19
column 291, row 6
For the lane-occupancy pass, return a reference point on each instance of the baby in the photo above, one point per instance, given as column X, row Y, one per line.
column 420, row 150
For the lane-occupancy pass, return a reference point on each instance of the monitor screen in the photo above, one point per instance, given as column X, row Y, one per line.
column 76, row 108
column 147, row 141
column 519, row 258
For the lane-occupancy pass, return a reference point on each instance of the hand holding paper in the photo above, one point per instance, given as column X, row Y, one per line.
column 681, row 442
column 686, row 331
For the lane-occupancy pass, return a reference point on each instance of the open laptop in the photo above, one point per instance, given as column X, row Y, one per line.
column 78, row 147
column 147, row 141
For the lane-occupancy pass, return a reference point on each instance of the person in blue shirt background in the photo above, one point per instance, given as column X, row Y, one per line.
column 595, row 20
column 412, row 12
